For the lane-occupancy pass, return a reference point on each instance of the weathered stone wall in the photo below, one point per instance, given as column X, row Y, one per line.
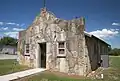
column 47, row 28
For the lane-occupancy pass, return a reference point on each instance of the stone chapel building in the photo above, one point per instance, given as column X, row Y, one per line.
column 61, row 45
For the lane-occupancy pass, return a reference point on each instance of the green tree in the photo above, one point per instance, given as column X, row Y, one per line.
column 115, row 52
column 8, row 41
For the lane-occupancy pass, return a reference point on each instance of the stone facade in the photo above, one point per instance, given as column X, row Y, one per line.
column 66, row 49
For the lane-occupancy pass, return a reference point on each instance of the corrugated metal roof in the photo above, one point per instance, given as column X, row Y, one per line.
column 90, row 35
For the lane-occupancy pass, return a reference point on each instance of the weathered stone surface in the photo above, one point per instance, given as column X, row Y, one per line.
column 47, row 28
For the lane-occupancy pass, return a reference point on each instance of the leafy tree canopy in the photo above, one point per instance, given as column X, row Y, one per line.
column 8, row 41
column 115, row 52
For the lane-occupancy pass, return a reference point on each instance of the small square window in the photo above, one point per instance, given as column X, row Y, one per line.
column 61, row 48
column 61, row 45
column 27, row 51
column 27, row 48
column 61, row 51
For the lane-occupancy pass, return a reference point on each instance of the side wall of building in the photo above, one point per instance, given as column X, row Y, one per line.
column 21, row 48
column 96, row 48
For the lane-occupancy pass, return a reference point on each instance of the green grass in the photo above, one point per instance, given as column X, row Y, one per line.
column 115, row 62
column 48, row 76
column 110, row 74
column 10, row 66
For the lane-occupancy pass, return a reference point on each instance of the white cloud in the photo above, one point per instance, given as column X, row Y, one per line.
column 18, row 29
column 4, row 28
column 105, row 33
column 12, row 34
column 17, row 24
column 116, row 24
column 10, row 23
column 22, row 24
column 1, row 23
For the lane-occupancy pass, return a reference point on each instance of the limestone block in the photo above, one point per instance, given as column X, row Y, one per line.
column 81, row 70
column 62, row 64
column 76, row 68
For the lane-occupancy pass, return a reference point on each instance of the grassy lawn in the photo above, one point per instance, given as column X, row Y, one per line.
column 110, row 74
column 10, row 66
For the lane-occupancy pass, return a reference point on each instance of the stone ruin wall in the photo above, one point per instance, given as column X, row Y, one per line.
column 47, row 28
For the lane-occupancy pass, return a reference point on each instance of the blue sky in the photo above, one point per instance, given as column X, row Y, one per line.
column 102, row 16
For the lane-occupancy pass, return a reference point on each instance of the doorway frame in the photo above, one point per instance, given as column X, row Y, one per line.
column 38, row 55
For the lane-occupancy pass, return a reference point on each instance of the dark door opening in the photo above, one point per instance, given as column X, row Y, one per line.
column 43, row 55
